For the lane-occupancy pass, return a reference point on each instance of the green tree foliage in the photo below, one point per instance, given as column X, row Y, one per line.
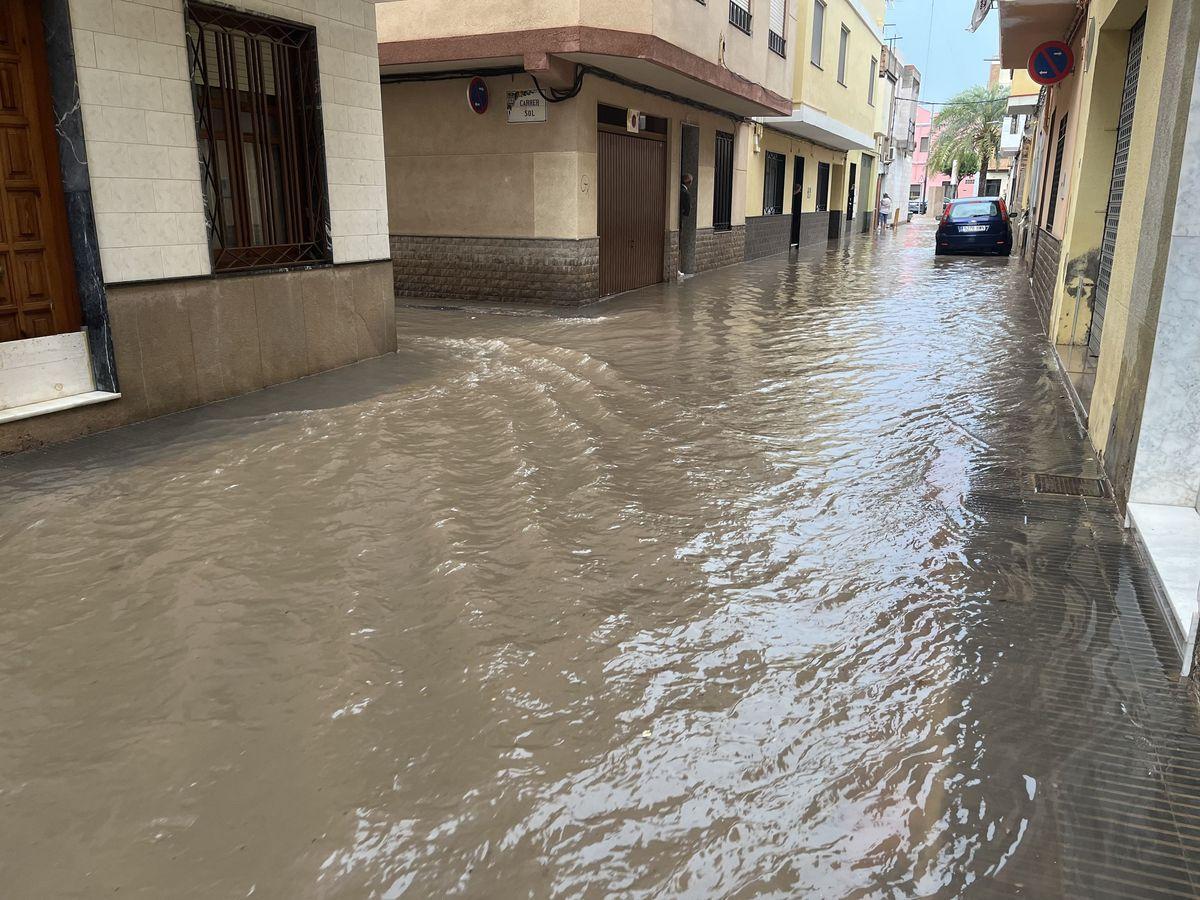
column 968, row 161
column 968, row 129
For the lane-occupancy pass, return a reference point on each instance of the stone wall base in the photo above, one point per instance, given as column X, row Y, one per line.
column 767, row 235
column 188, row 342
column 814, row 228
column 715, row 249
column 557, row 271
column 1045, row 272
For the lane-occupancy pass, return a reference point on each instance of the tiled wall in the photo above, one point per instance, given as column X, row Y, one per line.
column 141, row 139
column 1045, row 272
column 767, row 235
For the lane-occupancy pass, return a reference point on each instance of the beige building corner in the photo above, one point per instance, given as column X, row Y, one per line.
column 187, row 274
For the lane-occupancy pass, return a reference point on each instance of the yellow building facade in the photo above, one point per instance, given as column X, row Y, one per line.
column 829, row 140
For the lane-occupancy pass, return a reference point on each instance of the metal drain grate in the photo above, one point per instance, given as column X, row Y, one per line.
column 1069, row 486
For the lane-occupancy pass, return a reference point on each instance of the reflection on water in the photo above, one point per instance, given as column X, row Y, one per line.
column 721, row 589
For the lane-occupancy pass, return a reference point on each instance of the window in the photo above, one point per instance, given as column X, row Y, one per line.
column 818, row 37
column 1058, row 160
column 871, row 82
column 723, row 183
column 773, row 178
column 775, row 41
column 739, row 15
column 925, row 143
column 842, row 48
column 914, row 192
column 822, row 187
column 957, row 212
column 258, row 128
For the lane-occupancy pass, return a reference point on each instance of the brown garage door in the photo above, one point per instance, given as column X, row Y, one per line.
column 631, row 215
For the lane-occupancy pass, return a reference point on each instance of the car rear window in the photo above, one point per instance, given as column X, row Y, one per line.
column 974, row 208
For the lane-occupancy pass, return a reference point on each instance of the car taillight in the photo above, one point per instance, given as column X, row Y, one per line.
column 1003, row 209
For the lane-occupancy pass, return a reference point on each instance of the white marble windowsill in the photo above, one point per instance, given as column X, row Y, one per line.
column 1171, row 536
column 45, row 407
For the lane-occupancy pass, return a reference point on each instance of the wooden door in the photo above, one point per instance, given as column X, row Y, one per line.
column 37, row 275
column 631, row 214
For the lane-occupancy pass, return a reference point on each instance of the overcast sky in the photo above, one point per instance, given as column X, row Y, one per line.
column 956, row 59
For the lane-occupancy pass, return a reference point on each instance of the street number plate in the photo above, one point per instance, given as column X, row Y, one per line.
column 966, row 228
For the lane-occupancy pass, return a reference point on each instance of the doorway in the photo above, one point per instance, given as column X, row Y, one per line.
column 850, row 198
column 797, row 197
column 1116, row 188
column 37, row 271
column 864, row 189
column 689, row 164
column 631, row 213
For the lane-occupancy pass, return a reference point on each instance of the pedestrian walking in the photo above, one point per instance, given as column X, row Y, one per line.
column 885, row 212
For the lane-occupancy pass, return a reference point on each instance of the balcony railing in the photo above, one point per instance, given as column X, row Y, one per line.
column 777, row 43
column 739, row 16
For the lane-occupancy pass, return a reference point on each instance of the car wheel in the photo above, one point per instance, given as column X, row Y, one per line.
column 1007, row 251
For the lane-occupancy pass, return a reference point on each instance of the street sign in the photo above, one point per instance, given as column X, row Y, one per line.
column 477, row 95
column 526, row 106
column 1051, row 62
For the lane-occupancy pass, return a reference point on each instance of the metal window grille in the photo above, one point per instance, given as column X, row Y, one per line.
column 843, row 47
column 739, row 15
column 723, row 183
column 1058, row 160
column 822, row 187
column 871, row 81
column 818, row 36
column 777, row 23
column 773, row 177
column 255, row 89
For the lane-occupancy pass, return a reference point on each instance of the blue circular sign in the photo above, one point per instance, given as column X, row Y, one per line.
column 1051, row 62
column 477, row 95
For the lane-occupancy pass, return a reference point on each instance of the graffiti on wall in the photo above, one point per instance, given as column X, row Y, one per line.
column 1079, row 284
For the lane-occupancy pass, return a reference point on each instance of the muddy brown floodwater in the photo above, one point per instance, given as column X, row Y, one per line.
column 723, row 589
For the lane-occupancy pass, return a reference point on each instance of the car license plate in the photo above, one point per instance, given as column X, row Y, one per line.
column 964, row 229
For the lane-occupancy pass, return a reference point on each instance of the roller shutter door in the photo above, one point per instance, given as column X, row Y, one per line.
column 1116, row 190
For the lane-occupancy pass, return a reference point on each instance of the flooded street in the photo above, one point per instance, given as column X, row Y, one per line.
column 729, row 588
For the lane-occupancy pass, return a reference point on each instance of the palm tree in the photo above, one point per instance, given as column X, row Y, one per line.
column 969, row 126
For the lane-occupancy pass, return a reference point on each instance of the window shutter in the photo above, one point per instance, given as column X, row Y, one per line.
column 741, row 4
column 778, row 16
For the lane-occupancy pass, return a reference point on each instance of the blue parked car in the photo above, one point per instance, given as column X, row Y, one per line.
column 975, row 224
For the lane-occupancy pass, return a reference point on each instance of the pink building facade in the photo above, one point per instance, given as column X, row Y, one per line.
column 932, row 186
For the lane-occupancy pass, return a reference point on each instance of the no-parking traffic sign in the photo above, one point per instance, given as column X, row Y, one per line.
column 1051, row 62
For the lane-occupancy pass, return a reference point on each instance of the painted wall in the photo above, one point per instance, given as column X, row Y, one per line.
column 818, row 86
column 451, row 172
column 141, row 138
column 701, row 29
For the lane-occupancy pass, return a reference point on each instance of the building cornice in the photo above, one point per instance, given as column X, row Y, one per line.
column 581, row 39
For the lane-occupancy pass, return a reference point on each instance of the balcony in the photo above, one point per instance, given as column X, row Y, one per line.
column 739, row 15
column 1026, row 23
column 667, row 46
